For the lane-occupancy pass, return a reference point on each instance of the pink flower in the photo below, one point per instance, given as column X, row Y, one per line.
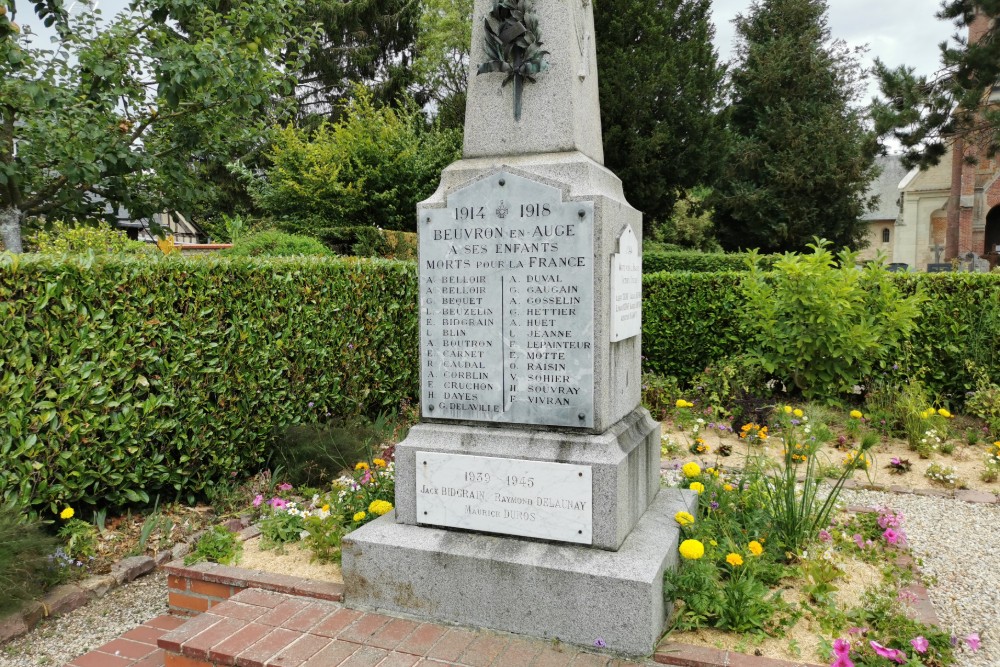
column 841, row 646
column 860, row 541
column 891, row 536
column 890, row 653
column 825, row 536
column 284, row 486
column 258, row 499
column 842, row 661
column 972, row 639
column 278, row 503
column 919, row 644
column 366, row 478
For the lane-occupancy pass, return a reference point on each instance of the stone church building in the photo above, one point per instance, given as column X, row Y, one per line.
column 941, row 214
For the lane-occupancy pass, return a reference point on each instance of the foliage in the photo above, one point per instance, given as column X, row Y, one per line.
column 824, row 325
column 801, row 160
column 700, row 262
column 124, row 378
column 692, row 320
column 25, row 558
column 659, row 394
column 80, row 537
column 368, row 169
column 442, row 56
column 272, row 243
column 279, row 528
column 367, row 43
column 927, row 114
column 313, row 454
column 128, row 110
column 689, row 225
column 67, row 237
column 366, row 241
column 649, row 52
column 353, row 501
column 882, row 617
column 984, row 402
column 217, row 545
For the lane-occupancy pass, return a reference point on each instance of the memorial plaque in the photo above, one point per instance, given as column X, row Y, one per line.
column 552, row 501
column 507, row 306
column 940, row 268
column 626, row 288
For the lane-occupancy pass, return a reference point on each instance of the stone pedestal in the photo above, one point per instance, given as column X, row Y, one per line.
column 554, row 591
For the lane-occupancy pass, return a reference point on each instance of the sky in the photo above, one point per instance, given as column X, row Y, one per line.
column 898, row 32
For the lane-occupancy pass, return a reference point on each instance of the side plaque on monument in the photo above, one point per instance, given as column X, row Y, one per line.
column 626, row 288
column 507, row 305
column 552, row 501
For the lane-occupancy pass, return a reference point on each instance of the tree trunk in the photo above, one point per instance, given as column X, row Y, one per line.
column 10, row 229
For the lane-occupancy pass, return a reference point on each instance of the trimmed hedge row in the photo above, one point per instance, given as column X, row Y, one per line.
column 654, row 261
column 692, row 320
column 127, row 378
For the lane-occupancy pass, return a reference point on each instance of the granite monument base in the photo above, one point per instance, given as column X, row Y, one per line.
column 624, row 463
column 572, row 593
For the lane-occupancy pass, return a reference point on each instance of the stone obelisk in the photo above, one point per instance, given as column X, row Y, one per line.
column 528, row 499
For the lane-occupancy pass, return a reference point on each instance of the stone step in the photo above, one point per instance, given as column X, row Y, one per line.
column 258, row 628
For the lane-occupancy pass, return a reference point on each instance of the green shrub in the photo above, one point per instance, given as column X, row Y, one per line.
column 691, row 321
column 824, row 325
column 369, row 169
column 272, row 243
column 217, row 545
column 26, row 558
column 61, row 237
column 121, row 379
column 655, row 260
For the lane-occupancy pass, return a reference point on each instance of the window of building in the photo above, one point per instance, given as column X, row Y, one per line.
column 885, row 235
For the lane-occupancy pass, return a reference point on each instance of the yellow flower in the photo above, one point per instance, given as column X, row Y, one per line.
column 691, row 469
column 728, row 487
column 788, row 409
column 692, row 549
column 379, row 463
column 734, row 559
column 713, row 543
column 944, row 413
column 856, row 414
column 67, row 513
column 755, row 548
column 698, row 487
column 681, row 403
column 361, row 466
column 379, row 507
column 797, row 412
column 325, row 508
column 683, row 518
column 359, row 516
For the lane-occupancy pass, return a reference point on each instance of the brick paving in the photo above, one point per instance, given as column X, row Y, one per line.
column 259, row 628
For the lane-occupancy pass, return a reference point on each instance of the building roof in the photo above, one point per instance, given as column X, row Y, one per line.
column 886, row 186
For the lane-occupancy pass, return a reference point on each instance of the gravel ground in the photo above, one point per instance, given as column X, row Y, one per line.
column 955, row 540
column 57, row 641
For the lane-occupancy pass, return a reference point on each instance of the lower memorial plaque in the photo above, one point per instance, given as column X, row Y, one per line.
column 551, row 501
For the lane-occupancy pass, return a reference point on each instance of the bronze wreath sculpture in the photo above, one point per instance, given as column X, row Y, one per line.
column 513, row 45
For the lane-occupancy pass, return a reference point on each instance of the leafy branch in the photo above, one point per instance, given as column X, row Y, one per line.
column 514, row 46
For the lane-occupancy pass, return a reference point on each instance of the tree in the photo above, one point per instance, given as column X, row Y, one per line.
column 926, row 114
column 801, row 159
column 660, row 87
column 126, row 113
column 368, row 42
column 442, row 63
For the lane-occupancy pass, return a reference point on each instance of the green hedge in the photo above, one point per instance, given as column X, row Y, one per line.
column 654, row 261
column 692, row 320
column 127, row 378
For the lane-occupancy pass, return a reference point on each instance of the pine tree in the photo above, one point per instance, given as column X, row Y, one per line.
column 660, row 85
column 926, row 114
column 801, row 159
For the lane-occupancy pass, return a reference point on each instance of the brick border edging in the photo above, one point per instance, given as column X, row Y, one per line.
column 69, row 597
column 193, row 589
column 692, row 655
